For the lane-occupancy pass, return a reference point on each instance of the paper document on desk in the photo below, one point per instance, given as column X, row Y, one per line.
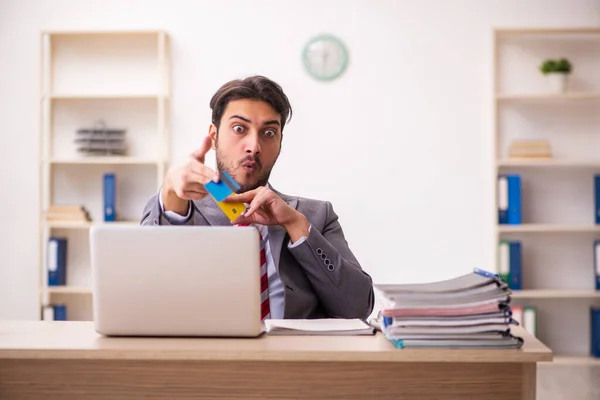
column 324, row 326
column 468, row 311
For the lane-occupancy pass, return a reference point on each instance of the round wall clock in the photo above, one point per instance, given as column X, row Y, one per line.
column 325, row 57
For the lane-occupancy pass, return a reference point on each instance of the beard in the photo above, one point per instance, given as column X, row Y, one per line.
column 231, row 168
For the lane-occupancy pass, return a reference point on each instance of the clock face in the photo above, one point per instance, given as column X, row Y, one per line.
column 325, row 57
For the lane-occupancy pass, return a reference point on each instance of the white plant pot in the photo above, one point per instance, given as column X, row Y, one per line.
column 557, row 82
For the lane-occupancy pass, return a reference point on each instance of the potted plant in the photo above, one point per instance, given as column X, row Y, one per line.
column 557, row 72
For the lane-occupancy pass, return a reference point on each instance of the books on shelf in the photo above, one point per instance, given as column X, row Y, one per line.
column 530, row 149
column 68, row 213
column 321, row 327
column 469, row 311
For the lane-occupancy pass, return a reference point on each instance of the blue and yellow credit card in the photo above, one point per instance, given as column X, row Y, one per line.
column 223, row 189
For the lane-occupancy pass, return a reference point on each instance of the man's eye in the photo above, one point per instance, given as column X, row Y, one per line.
column 270, row 132
column 238, row 128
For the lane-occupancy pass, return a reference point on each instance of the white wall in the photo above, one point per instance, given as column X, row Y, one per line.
column 401, row 144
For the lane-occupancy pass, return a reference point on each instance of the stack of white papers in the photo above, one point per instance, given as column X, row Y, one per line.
column 467, row 311
column 321, row 327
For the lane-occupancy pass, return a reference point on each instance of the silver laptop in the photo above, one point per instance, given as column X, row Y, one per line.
column 176, row 280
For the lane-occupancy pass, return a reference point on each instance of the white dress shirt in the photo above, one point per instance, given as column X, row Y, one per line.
column 276, row 289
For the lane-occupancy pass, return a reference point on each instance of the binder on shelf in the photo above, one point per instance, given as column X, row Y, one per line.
column 509, row 199
column 597, row 264
column 48, row 313
column 56, row 262
column 510, row 261
column 597, row 198
column 502, row 200
column 530, row 320
column 60, row 312
column 595, row 331
column 109, row 192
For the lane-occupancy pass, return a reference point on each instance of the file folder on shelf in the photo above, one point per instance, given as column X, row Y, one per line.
column 510, row 261
column 54, row 312
column 597, row 264
column 48, row 313
column 509, row 199
column 109, row 192
column 60, row 312
column 597, row 198
column 595, row 331
column 57, row 261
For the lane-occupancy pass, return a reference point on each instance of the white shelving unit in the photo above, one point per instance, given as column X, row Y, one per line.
column 558, row 226
column 123, row 79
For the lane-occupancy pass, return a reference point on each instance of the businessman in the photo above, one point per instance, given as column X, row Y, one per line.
column 312, row 272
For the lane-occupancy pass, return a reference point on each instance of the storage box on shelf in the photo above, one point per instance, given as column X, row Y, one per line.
column 104, row 115
column 547, row 142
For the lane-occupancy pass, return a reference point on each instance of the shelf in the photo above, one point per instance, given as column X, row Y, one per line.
column 69, row 290
column 549, row 31
column 573, row 360
column 107, row 96
column 71, row 33
column 549, row 163
column 555, row 294
column 123, row 79
column 547, row 228
column 548, row 97
column 107, row 160
column 85, row 225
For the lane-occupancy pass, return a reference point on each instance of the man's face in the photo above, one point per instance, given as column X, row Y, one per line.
column 248, row 142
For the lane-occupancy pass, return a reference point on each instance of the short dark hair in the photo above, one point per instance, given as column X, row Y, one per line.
column 254, row 88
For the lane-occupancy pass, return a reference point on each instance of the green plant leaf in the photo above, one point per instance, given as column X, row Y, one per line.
column 561, row 65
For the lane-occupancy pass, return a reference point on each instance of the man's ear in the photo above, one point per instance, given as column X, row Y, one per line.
column 212, row 132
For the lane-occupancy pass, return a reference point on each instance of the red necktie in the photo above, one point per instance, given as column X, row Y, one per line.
column 265, row 308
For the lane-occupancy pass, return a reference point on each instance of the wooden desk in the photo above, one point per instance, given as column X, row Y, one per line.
column 68, row 360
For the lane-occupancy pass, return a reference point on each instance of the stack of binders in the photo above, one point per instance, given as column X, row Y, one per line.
column 470, row 311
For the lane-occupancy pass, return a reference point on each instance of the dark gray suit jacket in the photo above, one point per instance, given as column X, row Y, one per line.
column 321, row 276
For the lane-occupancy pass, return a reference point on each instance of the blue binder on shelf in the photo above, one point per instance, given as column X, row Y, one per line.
column 597, row 198
column 510, row 263
column 60, row 312
column 56, row 261
column 595, row 331
column 509, row 199
column 109, row 192
column 597, row 264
